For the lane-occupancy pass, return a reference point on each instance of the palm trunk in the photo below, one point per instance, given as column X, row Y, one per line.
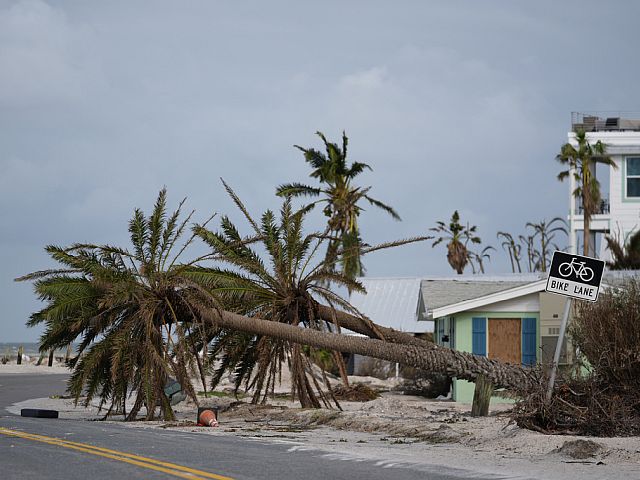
column 428, row 357
column 342, row 368
column 587, row 234
column 513, row 267
column 586, row 212
column 367, row 327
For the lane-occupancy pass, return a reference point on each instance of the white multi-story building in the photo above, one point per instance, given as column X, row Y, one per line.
column 619, row 212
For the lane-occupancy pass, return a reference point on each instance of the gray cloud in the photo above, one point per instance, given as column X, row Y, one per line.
column 456, row 106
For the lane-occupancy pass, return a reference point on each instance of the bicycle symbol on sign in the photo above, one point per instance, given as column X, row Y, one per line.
column 577, row 268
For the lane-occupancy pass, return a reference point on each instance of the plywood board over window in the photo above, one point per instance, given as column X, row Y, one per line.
column 505, row 340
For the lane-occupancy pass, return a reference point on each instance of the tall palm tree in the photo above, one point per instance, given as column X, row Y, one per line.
column 285, row 288
column 546, row 232
column 341, row 199
column 582, row 164
column 129, row 311
column 626, row 255
column 457, row 237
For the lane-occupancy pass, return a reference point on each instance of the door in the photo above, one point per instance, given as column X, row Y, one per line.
column 505, row 340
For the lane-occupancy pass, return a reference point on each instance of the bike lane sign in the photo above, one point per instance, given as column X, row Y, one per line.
column 575, row 276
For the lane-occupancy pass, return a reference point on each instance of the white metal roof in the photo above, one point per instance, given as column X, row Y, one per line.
column 392, row 302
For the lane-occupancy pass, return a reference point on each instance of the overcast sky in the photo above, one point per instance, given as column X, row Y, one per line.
column 455, row 105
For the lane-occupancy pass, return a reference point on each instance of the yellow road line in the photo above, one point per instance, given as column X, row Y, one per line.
column 145, row 462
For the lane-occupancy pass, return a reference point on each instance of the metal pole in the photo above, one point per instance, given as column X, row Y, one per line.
column 556, row 357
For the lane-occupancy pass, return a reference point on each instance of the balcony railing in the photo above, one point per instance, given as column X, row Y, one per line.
column 605, row 121
column 603, row 207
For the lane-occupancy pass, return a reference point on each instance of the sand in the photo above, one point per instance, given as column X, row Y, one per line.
column 12, row 368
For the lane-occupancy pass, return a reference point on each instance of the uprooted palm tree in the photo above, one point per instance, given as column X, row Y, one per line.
column 457, row 237
column 130, row 313
column 284, row 288
column 582, row 163
column 341, row 199
column 626, row 255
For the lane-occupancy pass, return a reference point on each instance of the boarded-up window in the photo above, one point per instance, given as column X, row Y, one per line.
column 505, row 339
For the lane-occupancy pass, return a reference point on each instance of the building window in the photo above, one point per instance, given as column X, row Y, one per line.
column 633, row 177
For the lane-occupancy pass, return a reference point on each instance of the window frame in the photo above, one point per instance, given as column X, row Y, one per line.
column 626, row 178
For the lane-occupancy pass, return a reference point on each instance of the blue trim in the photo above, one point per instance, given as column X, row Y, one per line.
column 479, row 336
column 529, row 336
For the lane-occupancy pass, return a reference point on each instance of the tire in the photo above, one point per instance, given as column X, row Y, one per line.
column 38, row 413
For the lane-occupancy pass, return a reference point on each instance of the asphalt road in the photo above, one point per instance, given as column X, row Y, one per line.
column 73, row 449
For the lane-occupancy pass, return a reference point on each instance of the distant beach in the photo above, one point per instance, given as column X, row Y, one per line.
column 9, row 350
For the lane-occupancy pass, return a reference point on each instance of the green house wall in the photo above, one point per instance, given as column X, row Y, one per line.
column 462, row 389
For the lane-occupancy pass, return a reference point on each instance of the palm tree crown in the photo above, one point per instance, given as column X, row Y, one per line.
column 341, row 199
column 546, row 232
column 457, row 237
column 284, row 290
column 129, row 311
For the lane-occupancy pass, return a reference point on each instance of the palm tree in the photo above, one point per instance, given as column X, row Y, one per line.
column 479, row 257
column 513, row 249
column 457, row 237
column 546, row 232
column 286, row 291
column 625, row 257
column 341, row 199
column 129, row 311
column 582, row 164
column 532, row 253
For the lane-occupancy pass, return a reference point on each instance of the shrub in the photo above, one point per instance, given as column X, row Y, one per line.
column 603, row 399
column 607, row 335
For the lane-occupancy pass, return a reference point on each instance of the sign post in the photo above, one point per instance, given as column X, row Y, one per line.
column 573, row 276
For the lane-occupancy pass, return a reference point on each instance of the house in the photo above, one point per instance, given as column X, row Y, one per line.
column 619, row 211
column 509, row 318
column 506, row 317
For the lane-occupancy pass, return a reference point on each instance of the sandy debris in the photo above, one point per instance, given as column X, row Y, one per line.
column 403, row 430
